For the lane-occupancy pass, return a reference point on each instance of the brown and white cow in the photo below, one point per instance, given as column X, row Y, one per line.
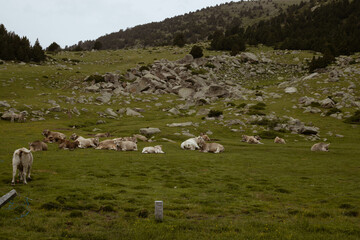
column 279, row 140
column 66, row 144
column 251, row 139
column 109, row 144
column 126, row 146
column 210, row 147
column 53, row 136
column 38, row 146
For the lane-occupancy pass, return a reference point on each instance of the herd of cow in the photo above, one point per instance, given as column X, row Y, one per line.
column 23, row 158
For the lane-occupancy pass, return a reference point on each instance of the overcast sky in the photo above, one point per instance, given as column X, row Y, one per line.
column 69, row 21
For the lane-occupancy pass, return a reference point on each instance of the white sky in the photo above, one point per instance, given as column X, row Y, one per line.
column 69, row 21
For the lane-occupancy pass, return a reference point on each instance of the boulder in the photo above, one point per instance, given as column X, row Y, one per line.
column 4, row 104
column 104, row 98
column 174, row 111
column 186, row 60
column 306, row 130
column 290, row 90
column 327, row 103
column 216, row 91
column 111, row 78
column 185, row 124
column 186, row 93
column 130, row 112
column 93, row 88
column 110, row 111
column 149, row 131
column 249, row 57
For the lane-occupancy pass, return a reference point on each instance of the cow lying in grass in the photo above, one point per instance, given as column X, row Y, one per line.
column 38, row 146
column 155, row 149
column 85, row 142
column 251, row 139
column 279, row 140
column 132, row 139
column 22, row 160
column 108, row 144
column 53, row 136
column 126, row 146
column 66, row 144
column 210, row 147
column 322, row 147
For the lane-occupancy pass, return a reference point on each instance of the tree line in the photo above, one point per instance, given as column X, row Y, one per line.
column 13, row 47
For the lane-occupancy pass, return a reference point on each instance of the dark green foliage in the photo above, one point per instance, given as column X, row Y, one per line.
column 209, row 65
column 96, row 78
column 196, row 51
column 354, row 119
column 332, row 111
column 75, row 214
column 144, row 68
column 12, row 47
column 267, row 122
column 54, row 47
column 331, row 28
column 255, row 112
column 234, row 43
column 215, row 113
column 179, row 40
column 258, row 106
column 269, row 134
column 97, row 45
column 315, row 104
column 143, row 213
column 241, row 105
column 320, row 62
column 198, row 71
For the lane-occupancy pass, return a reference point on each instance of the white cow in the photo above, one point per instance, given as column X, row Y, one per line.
column 126, row 146
column 191, row 143
column 279, row 140
column 22, row 160
column 322, row 147
column 156, row 149
column 85, row 142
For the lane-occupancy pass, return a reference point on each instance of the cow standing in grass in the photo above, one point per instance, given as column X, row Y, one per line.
column 22, row 160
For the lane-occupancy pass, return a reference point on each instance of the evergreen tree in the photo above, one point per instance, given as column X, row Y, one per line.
column 54, row 47
column 37, row 53
column 97, row 45
column 179, row 40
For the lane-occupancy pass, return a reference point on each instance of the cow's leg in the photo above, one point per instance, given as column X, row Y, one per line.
column 29, row 172
column 14, row 174
column 25, row 169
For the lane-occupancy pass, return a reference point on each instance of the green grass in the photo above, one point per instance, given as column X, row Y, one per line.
column 267, row 191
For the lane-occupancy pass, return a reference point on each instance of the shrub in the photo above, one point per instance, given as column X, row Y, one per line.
column 354, row 119
column 143, row 68
column 332, row 111
column 215, row 113
column 315, row 104
column 269, row 134
column 198, row 71
column 196, row 51
column 255, row 112
column 209, row 65
column 320, row 62
column 241, row 105
column 75, row 214
column 266, row 122
column 258, row 106
column 96, row 78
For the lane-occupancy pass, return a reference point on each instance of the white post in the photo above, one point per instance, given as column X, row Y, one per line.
column 159, row 211
column 7, row 197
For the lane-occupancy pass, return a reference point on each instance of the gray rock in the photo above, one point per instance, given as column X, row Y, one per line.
column 185, row 124
column 4, row 104
column 290, row 90
column 130, row 112
column 327, row 103
column 249, row 57
column 110, row 111
column 93, row 88
column 186, row 60
column 216, row 91
column 174, row 111
column 104, row 98
column 186, row 93
column 149, row 131
column 306, row 130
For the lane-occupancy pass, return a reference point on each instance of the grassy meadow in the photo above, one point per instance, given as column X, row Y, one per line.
column 268, row 191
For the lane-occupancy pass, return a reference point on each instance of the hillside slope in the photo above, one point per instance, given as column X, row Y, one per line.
column 196, row 26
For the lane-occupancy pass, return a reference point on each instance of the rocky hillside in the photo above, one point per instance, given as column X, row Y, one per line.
column 196, row 26
column 267, row 91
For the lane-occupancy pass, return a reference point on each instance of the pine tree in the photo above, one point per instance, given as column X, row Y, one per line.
column 37, row 53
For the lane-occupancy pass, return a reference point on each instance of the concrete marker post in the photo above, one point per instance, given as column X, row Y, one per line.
column 159, row 211
column 7, row 197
